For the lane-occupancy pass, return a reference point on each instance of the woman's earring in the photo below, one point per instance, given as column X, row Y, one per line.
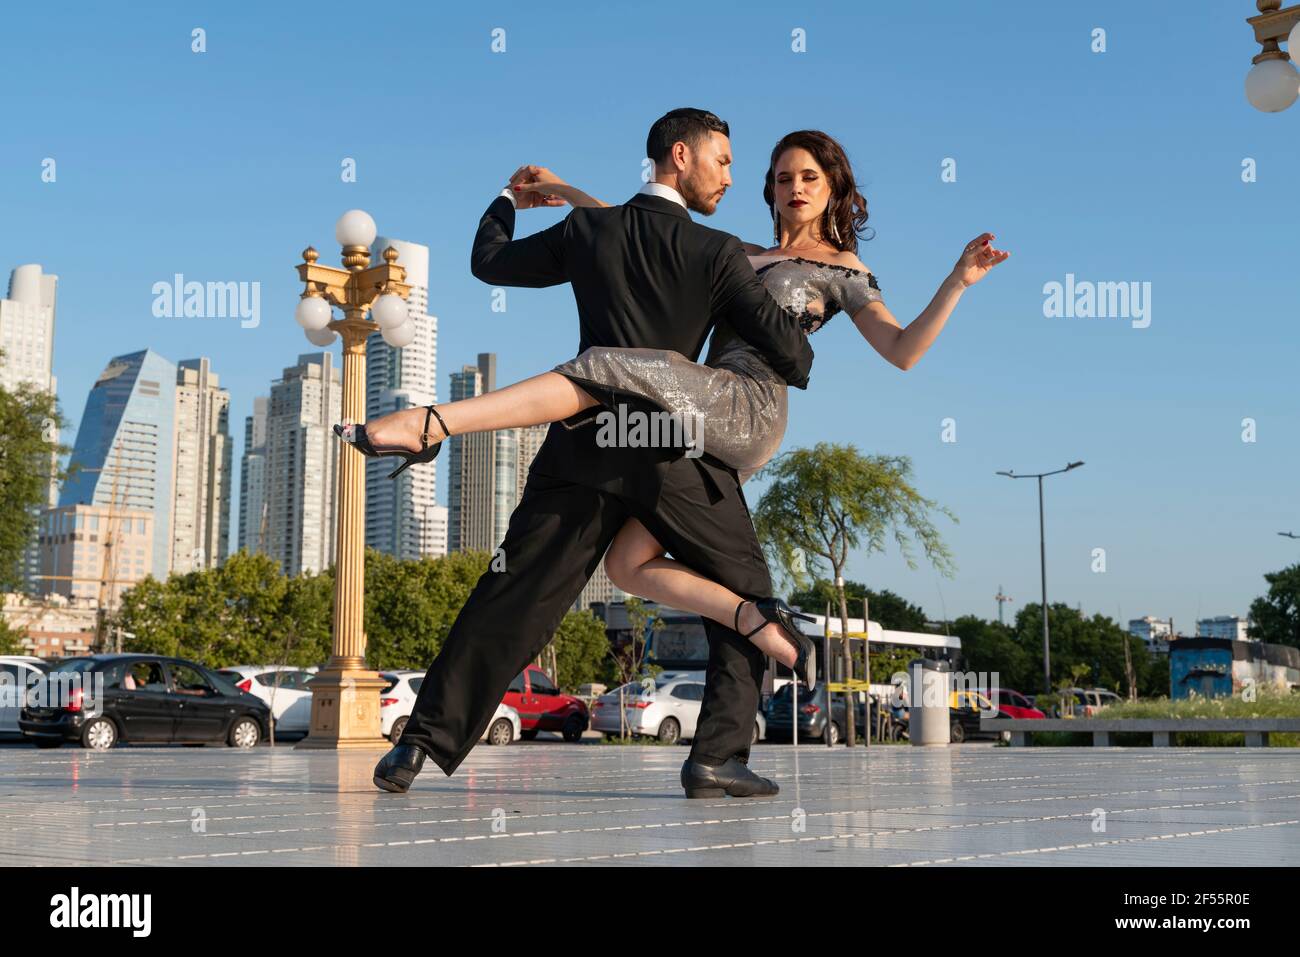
column 835, row 232
column 776, row 226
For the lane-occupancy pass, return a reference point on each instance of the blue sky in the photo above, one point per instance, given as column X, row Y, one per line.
column 1122, row 166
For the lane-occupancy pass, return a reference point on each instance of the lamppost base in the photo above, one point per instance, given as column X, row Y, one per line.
column 345, row 711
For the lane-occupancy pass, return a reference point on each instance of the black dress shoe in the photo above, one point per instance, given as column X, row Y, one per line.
column 733, row 778
column 398, row 768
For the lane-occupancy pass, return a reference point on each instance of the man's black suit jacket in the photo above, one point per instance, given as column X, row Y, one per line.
column 644, row 275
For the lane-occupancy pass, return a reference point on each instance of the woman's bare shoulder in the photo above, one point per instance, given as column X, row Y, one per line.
column 846, row 258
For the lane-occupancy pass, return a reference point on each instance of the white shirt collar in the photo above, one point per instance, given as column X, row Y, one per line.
column 664, row 192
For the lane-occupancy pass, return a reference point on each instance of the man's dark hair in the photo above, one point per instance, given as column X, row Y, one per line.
column 687, row 125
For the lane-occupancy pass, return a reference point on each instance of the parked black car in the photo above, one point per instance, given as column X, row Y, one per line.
column 812, row 715
column 146, row 698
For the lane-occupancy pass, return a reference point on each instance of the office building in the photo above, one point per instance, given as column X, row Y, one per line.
column 252, row 479
column 301, row 459
column 27, row 358
column 201, row 504
column 1223, row 626
column 125, row 450
column 398, row 511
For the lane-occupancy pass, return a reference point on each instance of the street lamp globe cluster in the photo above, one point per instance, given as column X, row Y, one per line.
column 354, row 231
column 1273, row 83
column 345, row 694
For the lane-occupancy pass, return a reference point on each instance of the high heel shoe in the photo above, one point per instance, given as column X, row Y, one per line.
column 776, row 611
column 355, row 436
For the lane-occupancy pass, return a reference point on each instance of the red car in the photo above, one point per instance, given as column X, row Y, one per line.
column 542, row 707
column 1012, row 704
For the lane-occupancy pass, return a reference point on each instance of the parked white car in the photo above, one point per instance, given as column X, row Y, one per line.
column 290, row 701
column 397, row 701
column 670, row 712
column 667, row 709
column 17, row 672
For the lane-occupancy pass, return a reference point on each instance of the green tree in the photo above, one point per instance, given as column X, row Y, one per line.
column 989, row 646
column 243, row 612
column 10, row 641
column 891, row 611
column 1275, row 617
column 1095, row 645
column 411, row 605
column 29, row 421
column 581, row 646
column 831, row 499
column 629, row 662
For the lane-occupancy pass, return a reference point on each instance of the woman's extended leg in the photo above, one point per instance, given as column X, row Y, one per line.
column 635, row 563
column 548, row 397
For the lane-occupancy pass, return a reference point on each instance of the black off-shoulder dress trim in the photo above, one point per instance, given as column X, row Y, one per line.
column 810, row 321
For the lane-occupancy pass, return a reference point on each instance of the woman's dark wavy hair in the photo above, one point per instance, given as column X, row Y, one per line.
column 847, row 208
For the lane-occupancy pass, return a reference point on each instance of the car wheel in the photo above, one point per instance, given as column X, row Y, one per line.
column 398, row 727
column 528, row 735
column 501, row 732
column 573, row 729
column 245, row 734
column 670, row 732
column 835, row 733
column 957, row 734
column 1005, row 736
column 99, row 734
column 754, row 739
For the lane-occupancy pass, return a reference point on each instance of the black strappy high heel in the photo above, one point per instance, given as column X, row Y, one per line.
column 355, row 436
column 776, row 611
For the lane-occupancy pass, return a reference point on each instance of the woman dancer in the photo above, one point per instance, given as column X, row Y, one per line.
column 812, row 270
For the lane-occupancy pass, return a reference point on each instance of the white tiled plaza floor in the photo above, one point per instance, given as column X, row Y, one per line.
column 548, row 802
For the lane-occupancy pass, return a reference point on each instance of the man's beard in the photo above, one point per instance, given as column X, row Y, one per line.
column 704, row 204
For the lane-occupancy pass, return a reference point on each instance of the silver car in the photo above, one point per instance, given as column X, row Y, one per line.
column 667, row 708
column 17, row 674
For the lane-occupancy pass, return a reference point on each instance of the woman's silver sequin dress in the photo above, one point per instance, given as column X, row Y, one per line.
column 735, row 401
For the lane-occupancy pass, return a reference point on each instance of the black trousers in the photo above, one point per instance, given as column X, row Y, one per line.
column 556, row 539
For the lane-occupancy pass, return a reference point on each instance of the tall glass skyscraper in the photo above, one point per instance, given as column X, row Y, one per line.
column 482, row 467
column 201, row 506
column 402, row 516
column 301, row 461
column 252, row 479
column 125, row 448
column 27, row 342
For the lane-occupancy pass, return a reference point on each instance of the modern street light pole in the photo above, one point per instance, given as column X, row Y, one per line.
column 1042, row 560
column 345, row 695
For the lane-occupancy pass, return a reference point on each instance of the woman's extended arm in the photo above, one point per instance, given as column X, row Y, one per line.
column 540, row 180
column 904, row 347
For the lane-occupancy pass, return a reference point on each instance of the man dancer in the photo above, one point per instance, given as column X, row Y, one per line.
column 644, row 275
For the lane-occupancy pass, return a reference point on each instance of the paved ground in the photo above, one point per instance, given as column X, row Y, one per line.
column 576, row 804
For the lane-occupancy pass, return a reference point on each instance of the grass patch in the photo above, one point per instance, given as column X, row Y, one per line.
column 1269, row 702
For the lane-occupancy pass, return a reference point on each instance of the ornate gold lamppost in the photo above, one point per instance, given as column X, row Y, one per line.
column 345, row 694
